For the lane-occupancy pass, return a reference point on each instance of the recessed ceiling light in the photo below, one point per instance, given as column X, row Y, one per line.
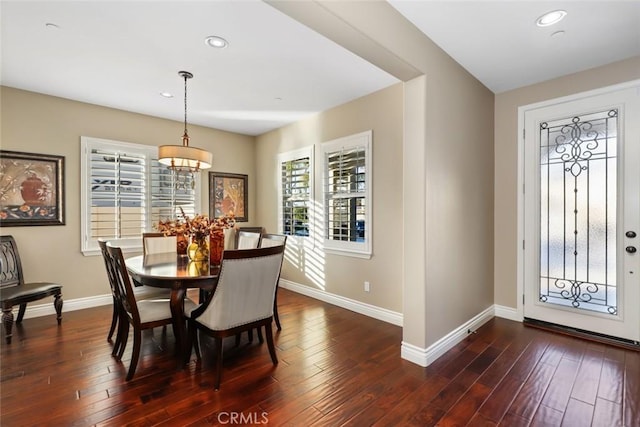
column 551, row 18
column 166, row 94
column 557, row 34
column 52, row 26
column 217, row 42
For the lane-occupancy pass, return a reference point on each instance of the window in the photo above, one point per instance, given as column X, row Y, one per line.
column 296, row 172
column 124, row 191
column 347, row 195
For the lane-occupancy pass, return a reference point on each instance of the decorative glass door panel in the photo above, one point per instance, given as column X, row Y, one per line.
column 578, row 211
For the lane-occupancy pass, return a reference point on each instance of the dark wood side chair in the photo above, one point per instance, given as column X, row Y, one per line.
column 13, row 290
column 143, row 314
column 115, row 316
column 268, row 240
column 241, row 301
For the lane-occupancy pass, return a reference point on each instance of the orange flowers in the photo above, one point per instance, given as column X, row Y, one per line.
column 200, row 225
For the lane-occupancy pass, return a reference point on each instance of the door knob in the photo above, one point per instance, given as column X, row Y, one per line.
column 630, row 234
column 631, row 249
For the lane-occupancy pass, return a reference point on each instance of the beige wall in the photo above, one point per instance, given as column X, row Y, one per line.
column 448, row 159
column 506, row 137
column 37, row 123
column 342, row 275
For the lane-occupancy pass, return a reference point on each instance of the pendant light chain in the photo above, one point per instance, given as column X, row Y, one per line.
column 185, row 104
column 185, row 137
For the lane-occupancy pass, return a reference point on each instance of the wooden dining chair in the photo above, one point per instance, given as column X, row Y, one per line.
column 241, row 301
column 248, row 237
column 115, row 315
column 269, row 240
column 14, row 291
column 248, row 240
column 141, row 315
column 158, row 243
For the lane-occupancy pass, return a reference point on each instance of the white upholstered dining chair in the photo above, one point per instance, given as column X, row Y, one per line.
column 248, row 239
column 268, row 240
column 241, row 301
column 157, row 243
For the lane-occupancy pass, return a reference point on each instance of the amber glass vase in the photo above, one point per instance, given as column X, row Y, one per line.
column 216, row 247
column 198, row 249
column 182, row 244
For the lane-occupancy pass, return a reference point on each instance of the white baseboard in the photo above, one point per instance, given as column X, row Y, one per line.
column 410, row 352
column 383, row 314
column 46, row 308
column 426, row 356
column 508, row 313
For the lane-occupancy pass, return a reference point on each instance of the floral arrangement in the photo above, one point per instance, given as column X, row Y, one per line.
column 198, row 226
column 201, row 229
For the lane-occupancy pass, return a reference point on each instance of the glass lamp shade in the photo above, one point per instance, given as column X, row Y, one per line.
column 182, row 157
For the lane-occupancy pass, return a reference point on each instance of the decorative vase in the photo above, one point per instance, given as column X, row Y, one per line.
column 197, row 268
column 182, row 243
column 217, row 247
column 198, row 248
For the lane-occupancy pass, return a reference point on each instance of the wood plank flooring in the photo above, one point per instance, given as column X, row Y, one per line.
column 336, row 368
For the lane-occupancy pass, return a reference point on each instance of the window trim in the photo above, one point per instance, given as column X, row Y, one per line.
column 88, row 246
column 353, row 249
column 290, row 156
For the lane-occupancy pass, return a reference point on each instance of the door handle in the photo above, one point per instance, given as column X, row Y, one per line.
column 630, row 234
column 631, row 249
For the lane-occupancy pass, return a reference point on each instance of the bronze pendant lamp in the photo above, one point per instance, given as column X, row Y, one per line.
column 184, row 159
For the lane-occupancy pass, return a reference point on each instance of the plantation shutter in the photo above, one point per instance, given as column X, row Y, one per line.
column 166, row 197
column 295, row 196
column 345, row 194
column 118, row 194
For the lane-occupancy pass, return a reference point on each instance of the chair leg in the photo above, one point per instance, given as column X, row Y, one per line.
column 120, row 334
column 114, row 321
column 250, row 333
column 57, row 303
column 218, row 374
column 124, row 331
column 23, row 308
column 275, row 311
column 7, row 321
column 260, row 337
column 196, row 343
column 135, row 354
column 190, row 342
column 270, row 344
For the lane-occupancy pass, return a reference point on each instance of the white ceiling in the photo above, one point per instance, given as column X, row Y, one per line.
column 499, row 43
column 122, row 54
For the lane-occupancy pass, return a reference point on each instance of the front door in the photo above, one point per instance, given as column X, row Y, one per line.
column 582, row 212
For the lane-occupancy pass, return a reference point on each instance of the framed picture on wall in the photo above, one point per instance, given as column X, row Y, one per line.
column 31, row 189
column 228, row 193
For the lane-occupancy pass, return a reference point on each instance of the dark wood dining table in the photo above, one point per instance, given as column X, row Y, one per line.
column 178, row 273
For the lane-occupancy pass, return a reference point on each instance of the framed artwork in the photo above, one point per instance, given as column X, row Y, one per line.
column 228, row 193
column 31, row 189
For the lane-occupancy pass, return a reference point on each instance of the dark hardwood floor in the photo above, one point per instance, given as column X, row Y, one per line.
column 336, row 368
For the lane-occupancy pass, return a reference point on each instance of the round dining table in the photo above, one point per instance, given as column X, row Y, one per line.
column 178, row 273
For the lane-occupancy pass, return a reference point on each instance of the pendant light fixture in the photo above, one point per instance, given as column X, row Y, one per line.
column 183, row 159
